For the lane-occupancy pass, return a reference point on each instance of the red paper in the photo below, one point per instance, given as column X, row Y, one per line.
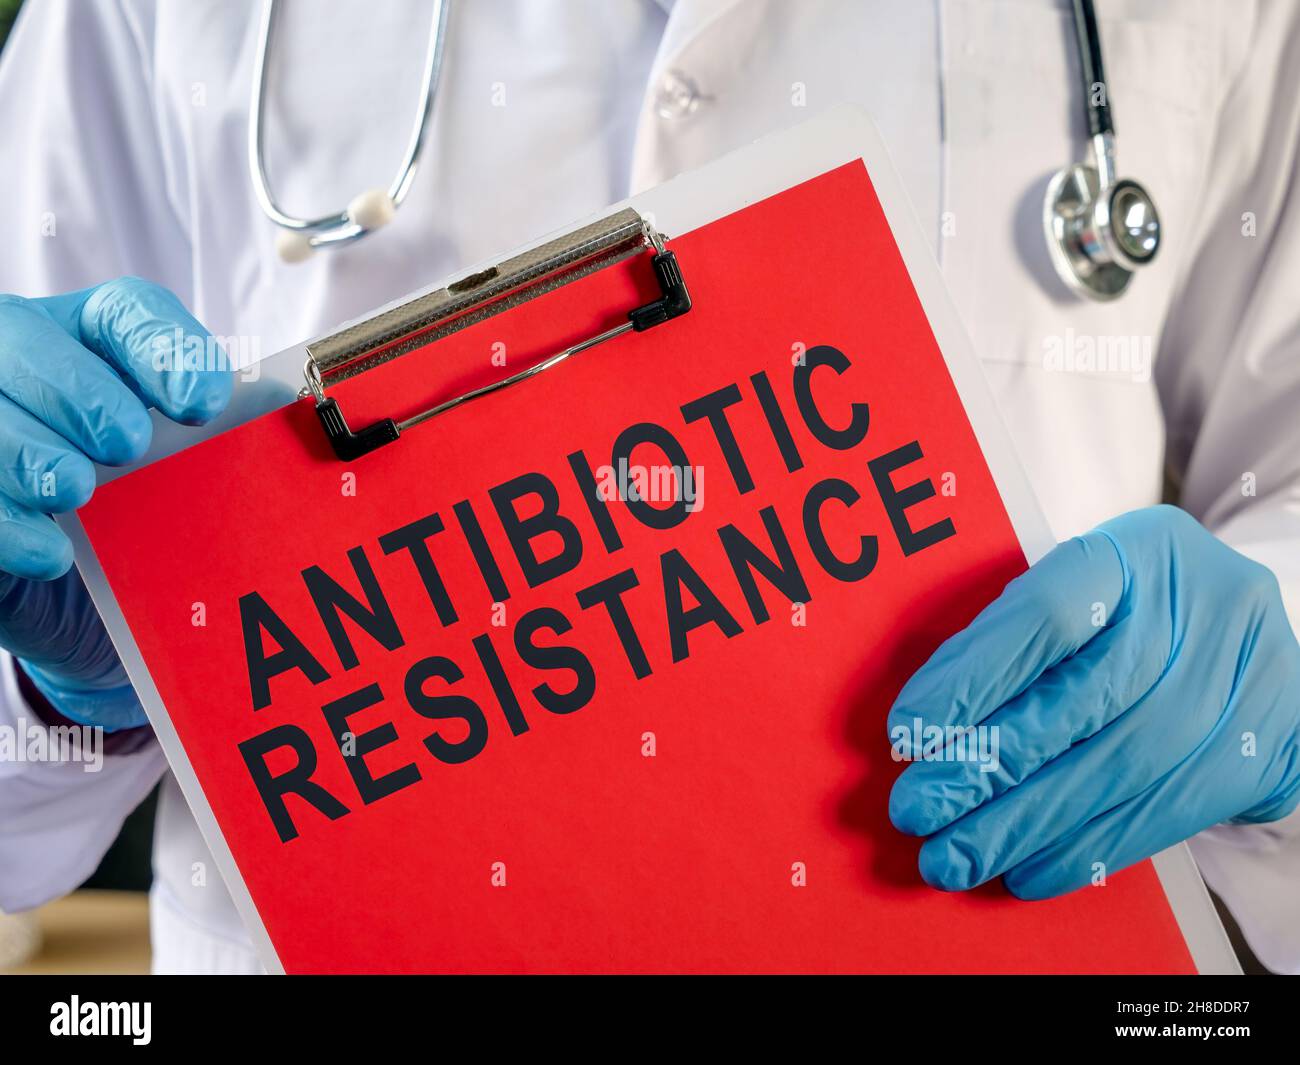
column 570, row 847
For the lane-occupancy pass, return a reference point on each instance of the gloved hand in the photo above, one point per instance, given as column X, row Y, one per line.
column 76, row 373
column 1144, row 684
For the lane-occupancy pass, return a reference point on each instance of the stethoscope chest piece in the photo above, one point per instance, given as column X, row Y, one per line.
column 1099, row 229
column 1098, row 235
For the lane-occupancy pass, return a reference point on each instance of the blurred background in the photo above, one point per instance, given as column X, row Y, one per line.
column 8, row 9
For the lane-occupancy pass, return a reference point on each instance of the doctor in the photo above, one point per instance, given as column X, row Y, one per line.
column 1144, row 675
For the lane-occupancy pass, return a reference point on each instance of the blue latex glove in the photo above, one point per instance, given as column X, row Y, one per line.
column 1145, row 685
column 76, row 374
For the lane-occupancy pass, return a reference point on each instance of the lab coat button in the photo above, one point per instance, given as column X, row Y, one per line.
column 678, row 96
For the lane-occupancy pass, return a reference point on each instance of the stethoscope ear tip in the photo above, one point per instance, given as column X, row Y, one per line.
column 371, row 209
column 293, row 246
column 366, row 212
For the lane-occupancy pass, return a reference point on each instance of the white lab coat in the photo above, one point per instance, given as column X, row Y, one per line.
column 122, row 135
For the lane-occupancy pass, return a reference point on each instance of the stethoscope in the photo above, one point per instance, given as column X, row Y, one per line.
column 369, row 210
column 1100, row 230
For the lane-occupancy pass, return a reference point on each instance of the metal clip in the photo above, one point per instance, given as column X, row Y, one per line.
column 476, row 297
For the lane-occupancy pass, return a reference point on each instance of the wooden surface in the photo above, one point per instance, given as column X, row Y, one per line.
column 92, row 932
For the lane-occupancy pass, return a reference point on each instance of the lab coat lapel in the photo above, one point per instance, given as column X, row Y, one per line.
column 688, row 21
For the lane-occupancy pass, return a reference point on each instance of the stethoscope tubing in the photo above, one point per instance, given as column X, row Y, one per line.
column 1092, row 69
column 338, row 228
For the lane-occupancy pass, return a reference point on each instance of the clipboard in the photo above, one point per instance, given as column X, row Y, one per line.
column 311, row 386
